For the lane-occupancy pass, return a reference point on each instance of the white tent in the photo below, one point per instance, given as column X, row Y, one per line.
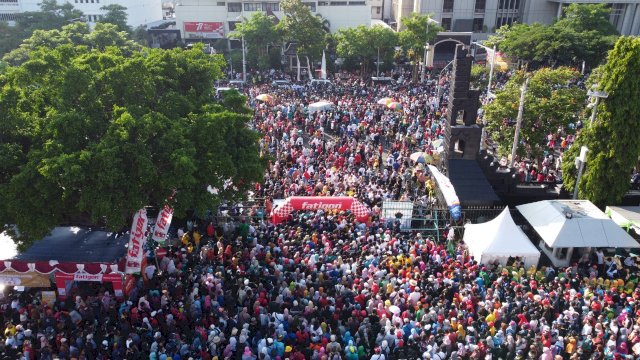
column 575, row 224
column 500, row 239
column 626, row 216
column 320, row 106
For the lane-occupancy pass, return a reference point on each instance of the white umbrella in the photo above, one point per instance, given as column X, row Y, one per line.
column 320, row 106
column 394, row 309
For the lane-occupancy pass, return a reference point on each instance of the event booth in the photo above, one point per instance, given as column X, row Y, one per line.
column 500, row 239
column 313, row 203
column 565, row 225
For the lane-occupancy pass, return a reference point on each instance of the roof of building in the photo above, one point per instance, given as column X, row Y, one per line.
column 471, row 185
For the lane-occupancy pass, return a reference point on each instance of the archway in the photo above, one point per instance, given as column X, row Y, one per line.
column 338, row 203
column 444, row 51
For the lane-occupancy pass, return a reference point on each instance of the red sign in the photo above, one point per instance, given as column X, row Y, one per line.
column 321, row 202
column 136, row 242
column 162, row 224
column 207, row 30
column 161, row 252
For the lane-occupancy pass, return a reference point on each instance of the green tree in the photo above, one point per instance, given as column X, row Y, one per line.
column 51, row 16
column 94, row 132
column 361, row 44
column 116, row 14
column 299, row 25
column 260, row 34
column 418, row 29
column 479, row 76
column 613, row 138
column 584, row 34
column 552, row 100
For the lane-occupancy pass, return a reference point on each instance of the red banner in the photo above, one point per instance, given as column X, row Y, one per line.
column 137, row 239
column 63, row 281
column 321, row 202
column 207, row 30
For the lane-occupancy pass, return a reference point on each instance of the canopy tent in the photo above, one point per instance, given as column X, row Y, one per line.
column 498, row 240
column 575, row 224
column 320, row 106
column 627, row 217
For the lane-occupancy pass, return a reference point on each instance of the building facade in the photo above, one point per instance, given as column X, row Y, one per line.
column 483, row 17
column 214, row 19
column 139, row 12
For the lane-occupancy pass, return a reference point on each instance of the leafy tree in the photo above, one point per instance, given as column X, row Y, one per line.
column 479, row 76
column 116, row 14
column 92, row 131
column 361, row 43
column 260, row 33
column 51, row 16
column 585, row 33
column 418, row 29
column 613, row 138
column 551, row 101
column 302, row 27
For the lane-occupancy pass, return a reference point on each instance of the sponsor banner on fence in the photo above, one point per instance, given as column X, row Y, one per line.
column 137, row 238
column 162, row 224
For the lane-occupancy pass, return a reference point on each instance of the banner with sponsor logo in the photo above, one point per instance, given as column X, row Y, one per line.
column 137, row 238
column 30, row 279
column 203, row 30
column 315, row 203
column 64, row 282
column 448, row 191
column 162, row 224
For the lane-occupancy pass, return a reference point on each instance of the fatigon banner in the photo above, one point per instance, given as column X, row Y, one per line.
column 448, row 191
column 162, row 224
column 137, row 238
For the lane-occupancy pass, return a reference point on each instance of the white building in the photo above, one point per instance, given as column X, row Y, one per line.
column 485, row 16
column 139, row 12
column 214, row 19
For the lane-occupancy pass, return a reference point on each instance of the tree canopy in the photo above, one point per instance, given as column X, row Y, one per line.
column 584, row 34
column 613, row 138
column 552, row 100
column 116, row 14
column 362, row 43
column 418, row 29
column 299, row 25
column 260, row 33
column 92, row 131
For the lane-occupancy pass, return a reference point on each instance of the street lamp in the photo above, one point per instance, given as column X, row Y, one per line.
column 514, row 148
column 244, row 60
column 597, row 95
column 493, row 63
column 580, row 161
column 426, row 49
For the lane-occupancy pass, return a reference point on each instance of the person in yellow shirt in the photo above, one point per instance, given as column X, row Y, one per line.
column 196, row 238
column 186, row 239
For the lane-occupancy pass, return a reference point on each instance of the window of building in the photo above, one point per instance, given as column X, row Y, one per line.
column 478, row 23
column 323, row 3
column 446, row 24
column 447, row 6
column 252, row 7
column 272, row 6
column 232, row 25
column 234, row 7
column 7, row 17
column 357, row 3
column 311, row 5
column 338, row 3
column 221, row 3
column 9, row 1
column 378, row 9
column 481, row 5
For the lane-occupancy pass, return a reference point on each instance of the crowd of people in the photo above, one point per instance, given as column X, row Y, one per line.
column 321, row 285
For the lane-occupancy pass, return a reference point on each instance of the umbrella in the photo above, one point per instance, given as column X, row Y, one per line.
column 421, row 157
column 265, row 97
column 394, row 105
column 394, row 309
column 385, row 101
column 437, row 143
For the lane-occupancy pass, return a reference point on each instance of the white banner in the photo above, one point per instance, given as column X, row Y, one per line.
column 137, row 239
column 448, row 191
column 162, row 224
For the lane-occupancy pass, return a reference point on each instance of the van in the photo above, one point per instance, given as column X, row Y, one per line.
column 286, row 84
column 315, row 82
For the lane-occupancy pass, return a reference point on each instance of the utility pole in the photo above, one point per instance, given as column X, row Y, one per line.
column 580, row 161
column 493, row 64
column 378, row 63
column 514, row 148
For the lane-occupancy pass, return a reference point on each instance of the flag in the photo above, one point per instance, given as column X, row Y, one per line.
column 500, row 64
column 161, row 228
column 137, row 238
column 309, row 68
column 323, row 68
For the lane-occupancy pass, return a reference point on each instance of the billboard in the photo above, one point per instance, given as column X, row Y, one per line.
column 203, row 30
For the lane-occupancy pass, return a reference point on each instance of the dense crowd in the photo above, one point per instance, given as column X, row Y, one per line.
column 324, row 286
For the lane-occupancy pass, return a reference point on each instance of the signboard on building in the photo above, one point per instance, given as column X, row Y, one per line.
column 203, row 30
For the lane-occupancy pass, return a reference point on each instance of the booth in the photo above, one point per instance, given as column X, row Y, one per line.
column 500, row 239
column 320, row 106
column 326, row 203
column 565, row 225
column 628, row 217
column 64, row 282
